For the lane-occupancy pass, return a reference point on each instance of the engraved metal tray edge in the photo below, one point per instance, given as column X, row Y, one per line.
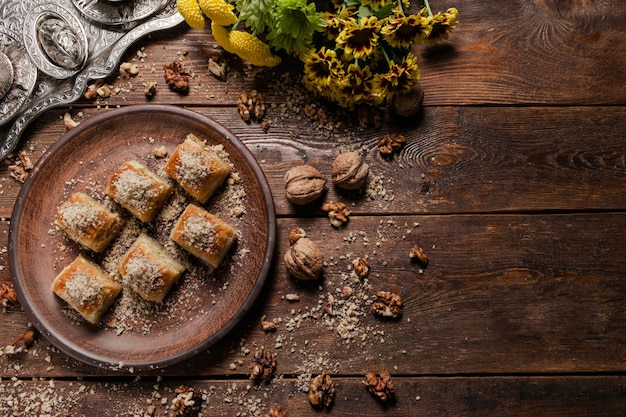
column 69, row 90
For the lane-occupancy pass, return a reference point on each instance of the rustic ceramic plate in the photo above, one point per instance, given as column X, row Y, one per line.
column 202, row 307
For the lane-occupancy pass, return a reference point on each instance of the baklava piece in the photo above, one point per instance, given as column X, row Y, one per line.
column 197, row 168
column 86, row 288
column 204, row 235
column 149, row 269
column 138, row 190
column 88, row 222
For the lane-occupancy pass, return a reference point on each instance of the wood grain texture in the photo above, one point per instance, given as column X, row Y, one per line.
column 430, row 396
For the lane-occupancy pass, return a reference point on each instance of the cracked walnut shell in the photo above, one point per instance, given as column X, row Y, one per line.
column 304, row 184
column 349, row 171
column 322, row 391
column 304, row 259
column 263, row 365
column 387, row 304
column 381, row 386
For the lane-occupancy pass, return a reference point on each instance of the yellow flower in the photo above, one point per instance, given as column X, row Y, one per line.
column 442, row 25
column 246, row 45
column 219, row 12
column 359, row 40
column 190, row 11
column 403, row 31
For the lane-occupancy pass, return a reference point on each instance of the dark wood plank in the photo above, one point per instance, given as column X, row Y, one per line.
column 526, row 396
column 501, row 294
column 456, row 160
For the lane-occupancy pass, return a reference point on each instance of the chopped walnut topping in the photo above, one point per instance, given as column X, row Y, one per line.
column 387, row 304
column 263, row 365
column 20, row 343
column 337, row 213
column 251, row 106
column 381, row 386
column 390, row 143
column 295, row 234
column 7, row 293
column 186, row 403
column 275, row 413
column 361, row 267
column 176, row 77
column 268, row 325
column 18, row 173
column 322, row 391
column 419, row 254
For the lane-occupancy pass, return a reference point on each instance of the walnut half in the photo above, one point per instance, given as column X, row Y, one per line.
column 387, row 304
column 186, row 403
column 263, row 365
column 381, row 386
column 322, row 391
column 338, row 213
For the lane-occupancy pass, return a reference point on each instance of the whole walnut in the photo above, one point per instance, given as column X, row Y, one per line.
column 304, row 184
column 304, row 259
column 349, row 171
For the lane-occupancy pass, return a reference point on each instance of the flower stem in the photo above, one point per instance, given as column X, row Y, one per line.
column 430, row 12
column 386, row 56
column 400, row 6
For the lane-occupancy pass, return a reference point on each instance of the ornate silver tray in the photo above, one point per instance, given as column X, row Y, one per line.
column 51, row 49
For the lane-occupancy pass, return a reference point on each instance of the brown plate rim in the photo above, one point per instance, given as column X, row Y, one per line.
column 83, row 355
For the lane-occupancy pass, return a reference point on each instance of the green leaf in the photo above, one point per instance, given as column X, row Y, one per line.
column 365, row 11
column 384, row 11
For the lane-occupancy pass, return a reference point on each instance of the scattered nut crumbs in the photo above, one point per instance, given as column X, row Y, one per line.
column 128, row 69
column 69, row 122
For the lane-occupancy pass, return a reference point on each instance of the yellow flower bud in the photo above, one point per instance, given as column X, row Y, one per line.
column 246, row 45
column 190, row 11
column 220, row 12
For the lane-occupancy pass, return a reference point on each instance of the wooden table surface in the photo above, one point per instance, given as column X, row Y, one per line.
column 513, row 180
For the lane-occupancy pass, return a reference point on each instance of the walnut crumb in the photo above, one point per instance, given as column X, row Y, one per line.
column 275, row 412
column 419, row 254
column 20, row 343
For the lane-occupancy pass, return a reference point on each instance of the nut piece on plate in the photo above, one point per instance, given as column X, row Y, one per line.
column 349, row 171
column 263, row 365
column 387, row 304
column 186, row 403
column 381, row 386
column 304, row 184
column 322, row 391
column 338, row 213
column 390, row 143
column 304, row 259
column 275, row 412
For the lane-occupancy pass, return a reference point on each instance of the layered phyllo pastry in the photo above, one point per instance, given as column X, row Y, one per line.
column 149, row 269
column 204, row 235
column 139, row 190
column 88, row 222
column 197, row 168
column 86, row 288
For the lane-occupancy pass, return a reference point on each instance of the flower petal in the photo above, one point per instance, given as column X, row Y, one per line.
column 190, row 11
